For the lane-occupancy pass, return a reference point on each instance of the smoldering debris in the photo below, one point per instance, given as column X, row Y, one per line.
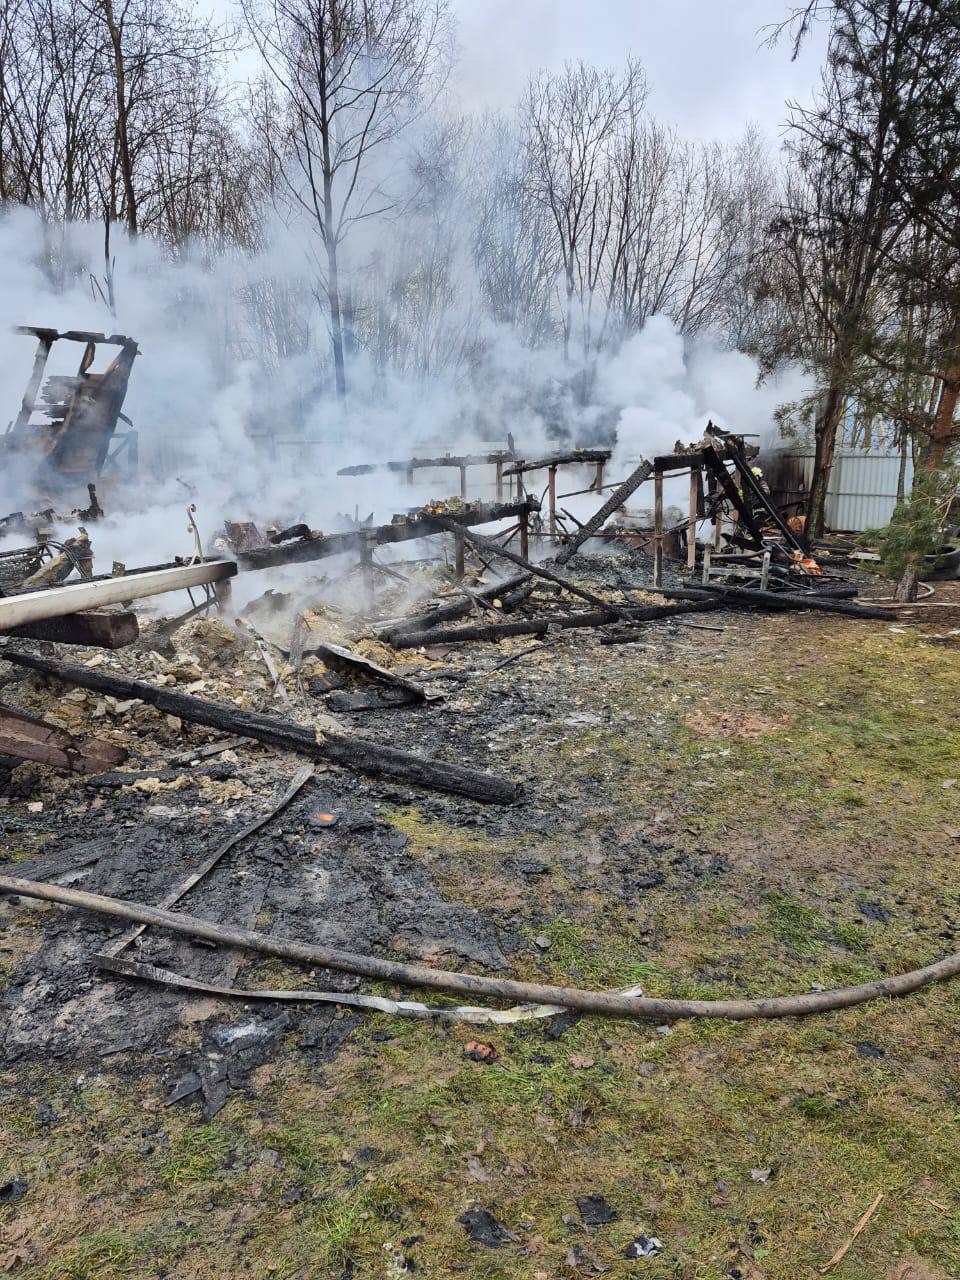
column 188, row 729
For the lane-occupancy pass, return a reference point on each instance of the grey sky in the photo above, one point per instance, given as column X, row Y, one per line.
column 708, row 69
column 705, row 64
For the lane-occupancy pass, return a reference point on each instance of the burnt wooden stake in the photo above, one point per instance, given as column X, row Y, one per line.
column 658, row 528
column 552, row 500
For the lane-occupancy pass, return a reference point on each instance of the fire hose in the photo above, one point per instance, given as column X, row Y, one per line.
column 602, row 1003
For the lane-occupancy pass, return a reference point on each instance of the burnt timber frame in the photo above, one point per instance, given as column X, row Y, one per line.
column 76, row 439
column 741, row 490
column 419, row 524
column 572, row 457
column 460, row 461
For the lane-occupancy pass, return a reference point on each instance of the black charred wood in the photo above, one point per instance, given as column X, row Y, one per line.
column 343, row 749
column 496, row 631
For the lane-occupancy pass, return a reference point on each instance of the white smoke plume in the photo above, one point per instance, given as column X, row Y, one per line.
column 264, row 443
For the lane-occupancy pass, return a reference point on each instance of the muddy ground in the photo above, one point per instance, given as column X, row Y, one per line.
column 767, row 807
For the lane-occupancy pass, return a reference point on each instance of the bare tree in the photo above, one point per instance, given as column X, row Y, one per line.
column 574, row 123
column 353, row 74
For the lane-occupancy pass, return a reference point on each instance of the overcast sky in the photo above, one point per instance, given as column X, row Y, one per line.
column 705, row 60
column 707, row 66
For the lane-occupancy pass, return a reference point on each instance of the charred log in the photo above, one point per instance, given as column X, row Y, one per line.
column 343, row 749
column 541, row 626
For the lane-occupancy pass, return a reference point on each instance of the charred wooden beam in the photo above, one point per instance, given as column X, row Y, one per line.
column 496, row 631
column 92, row 630
column 558, row 460
column 419, row 464
column 338, row 748
column 510, row 592
column 600, row 517
column 28, row 738
column 734, row 597
column 417, row 525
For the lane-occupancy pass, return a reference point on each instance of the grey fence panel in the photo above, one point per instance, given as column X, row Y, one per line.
column 863, row 484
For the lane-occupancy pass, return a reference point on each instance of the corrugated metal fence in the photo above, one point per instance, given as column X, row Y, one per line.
column 863, row 484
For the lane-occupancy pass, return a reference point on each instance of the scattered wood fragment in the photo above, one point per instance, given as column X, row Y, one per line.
column 844, row 1249
column 126, row 778
column 338, row 748
column 208, row 749
column 93, row 630
column 28, row 738
column 339, row 659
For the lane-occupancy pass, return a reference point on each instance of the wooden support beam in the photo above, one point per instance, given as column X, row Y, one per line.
column 418, row 525
column 552, row 500
column 658, row 528
column 692, row 518
column 600, row 517
column 93, row 630
column 77, row 597
column 27, row 738
column 499, row 479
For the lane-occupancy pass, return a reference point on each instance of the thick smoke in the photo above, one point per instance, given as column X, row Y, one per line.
column 248, row 438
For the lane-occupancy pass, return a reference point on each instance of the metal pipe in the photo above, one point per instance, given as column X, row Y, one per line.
column 75, row 597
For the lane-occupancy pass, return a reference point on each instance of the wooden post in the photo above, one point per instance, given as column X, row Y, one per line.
column 552, row 500
column 33, row 386
column 718, row 522
column 458, row 545
column 692, row 521
column 765, row 571
column 499, row 479
column 463, row 482
column 366, row 571
column 598, row 483
column 706, row 563
column 658, row 528
column 525, row 535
